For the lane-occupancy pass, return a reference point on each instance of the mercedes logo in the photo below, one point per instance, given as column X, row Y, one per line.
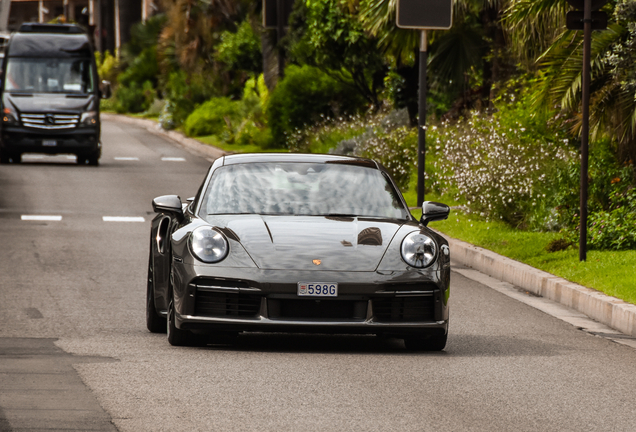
column 50, row 119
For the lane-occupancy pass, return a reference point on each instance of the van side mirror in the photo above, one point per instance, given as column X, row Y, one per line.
column 170, row 205
column 104, row 91
column 433, row 211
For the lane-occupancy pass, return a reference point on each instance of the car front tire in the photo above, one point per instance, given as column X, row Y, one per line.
column 176, row 336
column 7, row 158
column 154, row 322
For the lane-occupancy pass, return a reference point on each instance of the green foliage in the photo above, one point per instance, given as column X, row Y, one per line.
column 611, row 201
column 144, row 35
column 214, row 117
column 240, row 51
column 502, row 166
column 328, row 35
column 183, row 93
column 143, row 68
column 302, row 97
column 135, row 98
column 613, row 80
column 239, row 122
column 615, row 229
column 107, row 66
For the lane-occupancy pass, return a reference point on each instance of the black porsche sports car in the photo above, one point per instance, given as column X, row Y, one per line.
column 297, row 243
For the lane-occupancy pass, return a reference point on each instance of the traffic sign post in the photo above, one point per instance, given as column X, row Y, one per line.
column 423, row 15
column 587, row 20
column 276, row 16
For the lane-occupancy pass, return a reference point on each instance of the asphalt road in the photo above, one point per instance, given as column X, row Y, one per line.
column 75, row 354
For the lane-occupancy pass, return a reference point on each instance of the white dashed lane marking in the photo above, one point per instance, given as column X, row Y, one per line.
column 57, row 218
column 123, row 158
column 41, row 218
column 173, row 159
column 42, row 157
column 123, row 219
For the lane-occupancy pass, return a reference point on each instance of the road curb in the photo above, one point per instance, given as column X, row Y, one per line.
column 605, row 309
column 154, row 127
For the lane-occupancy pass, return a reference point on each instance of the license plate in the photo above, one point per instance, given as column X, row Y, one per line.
column 318, row 289
column 49, row 143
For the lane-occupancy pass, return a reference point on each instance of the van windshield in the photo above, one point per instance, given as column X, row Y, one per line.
column 49, row 75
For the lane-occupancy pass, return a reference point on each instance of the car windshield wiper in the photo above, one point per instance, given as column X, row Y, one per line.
column 341, row 215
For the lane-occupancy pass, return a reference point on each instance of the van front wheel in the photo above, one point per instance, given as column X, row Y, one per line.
column 88, row 158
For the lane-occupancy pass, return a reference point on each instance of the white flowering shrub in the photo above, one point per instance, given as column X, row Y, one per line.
column 382, row 137
column 499, row 168
column 396, row 151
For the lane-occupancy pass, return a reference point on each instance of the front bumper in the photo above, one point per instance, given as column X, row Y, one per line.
column 399, row 303
column 19, row 139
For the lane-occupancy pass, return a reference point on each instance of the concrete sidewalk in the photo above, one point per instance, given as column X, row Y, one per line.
column 605, row 309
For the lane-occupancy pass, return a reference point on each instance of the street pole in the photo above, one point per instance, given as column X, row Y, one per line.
column 421, row 136
column 280, row 28
column 585, row 128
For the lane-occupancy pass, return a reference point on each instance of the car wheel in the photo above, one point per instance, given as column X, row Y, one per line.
column 176, row 337
column 424, row 343
column 154, row 322
column 7, row 158
column 88, row 159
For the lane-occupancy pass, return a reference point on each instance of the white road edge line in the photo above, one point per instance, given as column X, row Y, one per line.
column 123, row 219
column 557, row 310
column 40, row 218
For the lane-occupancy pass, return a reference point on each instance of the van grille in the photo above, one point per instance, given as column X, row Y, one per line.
column 50, row 121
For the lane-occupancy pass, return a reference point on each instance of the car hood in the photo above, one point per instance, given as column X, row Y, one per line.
column 43, row 103
column 310, row 242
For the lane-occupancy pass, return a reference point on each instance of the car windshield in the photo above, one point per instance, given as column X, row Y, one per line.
column 49, row 75
column 302, row 189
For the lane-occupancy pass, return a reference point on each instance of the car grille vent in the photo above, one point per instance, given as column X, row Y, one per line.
column 404, row 309
column 317, row 310
column 219, row 304
column 50, row 121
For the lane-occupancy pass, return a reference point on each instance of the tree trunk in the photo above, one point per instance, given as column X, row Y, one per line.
column 270, row 60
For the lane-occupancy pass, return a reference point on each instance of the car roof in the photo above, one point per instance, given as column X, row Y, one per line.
column 297, row 158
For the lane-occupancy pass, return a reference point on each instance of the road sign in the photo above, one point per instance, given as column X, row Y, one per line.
column 270, row 13
column 579, row 4
column 574, row 20
column 425, row 14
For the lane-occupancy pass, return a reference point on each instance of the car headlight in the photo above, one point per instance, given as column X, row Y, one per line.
column 208, row 245
column 9, row 116
column 89, row 118
column 418, row 250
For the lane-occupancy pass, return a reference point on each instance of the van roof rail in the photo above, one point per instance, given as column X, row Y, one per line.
column 50, row 28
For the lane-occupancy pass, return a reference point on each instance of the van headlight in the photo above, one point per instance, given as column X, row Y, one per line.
column 89, row 118
column 9, row 116
column 208, row 245
column 418, row 250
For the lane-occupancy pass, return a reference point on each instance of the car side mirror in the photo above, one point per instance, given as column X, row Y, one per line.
column 433, row 211
column 169, row 204
column 104, row 91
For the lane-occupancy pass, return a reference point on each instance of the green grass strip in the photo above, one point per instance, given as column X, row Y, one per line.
column 611, row 272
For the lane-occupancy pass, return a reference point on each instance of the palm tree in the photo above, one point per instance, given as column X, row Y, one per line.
column 473, row 51
column 613, row 85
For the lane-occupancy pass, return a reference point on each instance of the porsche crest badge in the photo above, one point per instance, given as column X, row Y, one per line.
column 317, row 262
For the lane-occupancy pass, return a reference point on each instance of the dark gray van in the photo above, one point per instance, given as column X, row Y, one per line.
column 50, row 94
